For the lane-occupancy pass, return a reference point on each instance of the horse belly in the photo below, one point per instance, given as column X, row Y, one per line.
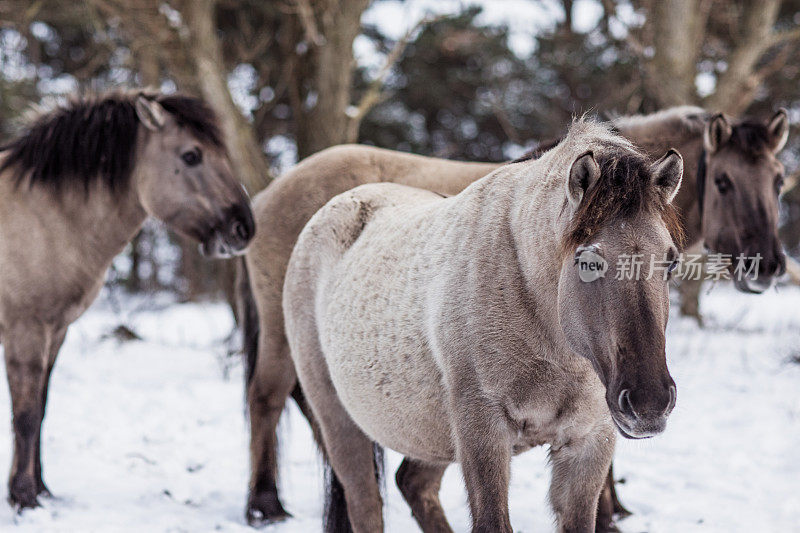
column 395, row 410
column 382, row 367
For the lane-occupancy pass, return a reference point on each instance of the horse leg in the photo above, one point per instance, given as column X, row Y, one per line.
column 419, row 483
column 27, row 349
column 580, row 469
column 483, row 448
column 352, row 456
column 689, row 293
column 350, row 453
column 609, row 506
column 611, row 486
column 55, row 346
column 273, row 380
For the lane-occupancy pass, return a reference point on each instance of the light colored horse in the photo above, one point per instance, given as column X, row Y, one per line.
column 744, row 219
column 75, row 188
column 458, row 329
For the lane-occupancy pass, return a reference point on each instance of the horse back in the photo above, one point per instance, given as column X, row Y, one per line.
column 338, row 224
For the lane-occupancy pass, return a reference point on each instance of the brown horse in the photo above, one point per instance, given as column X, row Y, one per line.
column 461, row 330
column 75, row 188
column 710, row 146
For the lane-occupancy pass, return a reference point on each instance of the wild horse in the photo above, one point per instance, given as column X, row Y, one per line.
column 427, row 325
column 75, row 188
column 736, row 219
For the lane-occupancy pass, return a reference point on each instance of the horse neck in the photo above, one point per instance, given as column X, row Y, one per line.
column 690, row 145
column 456, row 176
column 522, row 211
column 89, row 227
column 121, row 215
column 440, row 175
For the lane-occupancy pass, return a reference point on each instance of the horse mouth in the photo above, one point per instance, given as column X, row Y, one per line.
column 229, row 238
column 627, row 430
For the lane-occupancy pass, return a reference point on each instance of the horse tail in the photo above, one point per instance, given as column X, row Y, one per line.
column 248, row 320
column 336, row 519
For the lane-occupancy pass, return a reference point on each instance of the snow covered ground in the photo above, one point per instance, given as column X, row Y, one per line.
column 150, row 435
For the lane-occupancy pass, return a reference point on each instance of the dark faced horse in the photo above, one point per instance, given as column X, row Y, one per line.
column 743, row 152
column 460, row 329
column 75, row 188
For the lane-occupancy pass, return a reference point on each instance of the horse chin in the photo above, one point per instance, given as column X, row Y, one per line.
column 631, row 433
column 753, row 286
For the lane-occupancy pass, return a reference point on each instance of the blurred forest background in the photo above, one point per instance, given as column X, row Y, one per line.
column 455, row 79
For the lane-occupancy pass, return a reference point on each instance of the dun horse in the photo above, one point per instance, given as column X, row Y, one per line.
column 427, row 325
column 74, row 190
column 738, row 218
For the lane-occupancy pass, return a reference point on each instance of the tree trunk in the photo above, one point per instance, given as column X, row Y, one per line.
column 676, row 27
column 205, row 49
column 737, row 86
column 323, row 119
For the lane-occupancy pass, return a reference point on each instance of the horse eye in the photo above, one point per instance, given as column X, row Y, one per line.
column 723, row 183
column 192, row 157
column 671, row 268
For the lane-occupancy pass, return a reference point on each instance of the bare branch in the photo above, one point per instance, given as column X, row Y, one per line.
column 505, row 122
column 737, row 85
column 774, row 65
column 784, row 37
column 306, row 15
column 373, row 93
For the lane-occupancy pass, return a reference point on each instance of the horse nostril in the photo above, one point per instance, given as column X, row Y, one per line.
column 240, row 231
column 673, row 398
column 624, row 402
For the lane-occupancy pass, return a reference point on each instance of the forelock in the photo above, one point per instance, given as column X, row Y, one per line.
column 750, row 138
column 623, row 191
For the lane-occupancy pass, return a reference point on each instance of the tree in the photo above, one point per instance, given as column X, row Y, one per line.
column 738, row 44
column 458, row 91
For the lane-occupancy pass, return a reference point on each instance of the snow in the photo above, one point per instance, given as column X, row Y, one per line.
column 151, row 435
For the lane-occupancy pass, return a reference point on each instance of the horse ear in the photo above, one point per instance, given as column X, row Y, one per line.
column 668, row 174
column 718, row 131
column 150, row 113
column 778, row 128
column 582, row 175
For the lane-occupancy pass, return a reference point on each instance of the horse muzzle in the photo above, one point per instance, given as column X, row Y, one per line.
column 229, row 238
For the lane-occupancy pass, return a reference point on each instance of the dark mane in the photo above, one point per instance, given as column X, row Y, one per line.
column 196, row 116
column 622, row 192
column 94, row 139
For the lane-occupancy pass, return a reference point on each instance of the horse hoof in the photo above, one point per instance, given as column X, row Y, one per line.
column 22, row 494
column 42, row 490
column 264, row 509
